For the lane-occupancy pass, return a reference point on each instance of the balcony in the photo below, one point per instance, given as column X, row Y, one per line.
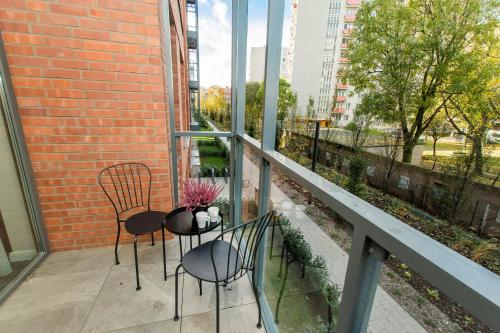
column 194, row 84
column 349, row 18
column 343, row 46
column 343, row 60
column 350, row 3
column 347, row 32
column 192, row 38
column 331, row 260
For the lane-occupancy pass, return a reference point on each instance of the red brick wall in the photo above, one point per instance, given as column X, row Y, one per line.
column 89, row 82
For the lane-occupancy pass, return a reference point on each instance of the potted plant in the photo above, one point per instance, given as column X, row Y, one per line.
column 197, row 196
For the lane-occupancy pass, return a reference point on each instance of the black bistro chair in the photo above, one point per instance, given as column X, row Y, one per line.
column 128, row 187
column 222, row 262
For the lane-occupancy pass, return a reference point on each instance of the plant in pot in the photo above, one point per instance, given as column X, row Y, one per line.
column 198, row 196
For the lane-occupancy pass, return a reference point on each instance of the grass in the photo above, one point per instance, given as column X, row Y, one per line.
column 216, row 161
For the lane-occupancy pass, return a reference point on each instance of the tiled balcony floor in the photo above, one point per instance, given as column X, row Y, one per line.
column 83, row 291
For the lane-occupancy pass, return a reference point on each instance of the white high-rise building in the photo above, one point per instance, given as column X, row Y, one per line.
column 258, row 61
column 319, row 33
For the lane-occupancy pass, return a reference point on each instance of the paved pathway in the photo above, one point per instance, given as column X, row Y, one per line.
column 387, row 315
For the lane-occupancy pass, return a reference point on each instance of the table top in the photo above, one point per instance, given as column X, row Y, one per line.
column 182, row 222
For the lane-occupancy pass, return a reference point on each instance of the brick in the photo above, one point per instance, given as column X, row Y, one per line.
column 62, row 73
column 14, row 15
column 52, row 30
column 58, row 19
column 53, row 52
column 68, row 10
column 98, row 76
column 14, row 26
column 97, row 56
column 91, row 34
column 38, row 6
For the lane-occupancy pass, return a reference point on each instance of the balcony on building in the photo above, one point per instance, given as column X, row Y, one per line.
column 192, row 38
column 338, row 110
column 340, row 98
column 351, row 3
column 349, row 17
column 343, row 60
column 342, row 86
column 347, row 32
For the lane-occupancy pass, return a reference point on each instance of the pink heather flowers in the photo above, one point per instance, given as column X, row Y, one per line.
column 198, row 194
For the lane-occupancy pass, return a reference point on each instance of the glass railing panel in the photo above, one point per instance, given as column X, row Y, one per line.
column 307, row 252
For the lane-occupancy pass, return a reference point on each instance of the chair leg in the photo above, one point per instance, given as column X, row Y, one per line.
column 117, row 262
column 180, row 245
column 136, row 264
column 176, row 317
column 217, row 307
column 152, row 239
column 164, row 255
column 200, row 285
column 256, row 293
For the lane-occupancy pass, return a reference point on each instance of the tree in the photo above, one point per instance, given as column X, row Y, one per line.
column 392, row 143
column 213, row 100
column 405, row 53
column 438, row 128
column 474, row 109
column 254, row 99
column 359, row 127
column 287, row 102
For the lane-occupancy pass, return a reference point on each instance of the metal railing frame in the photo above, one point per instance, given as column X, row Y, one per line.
column 376, row 233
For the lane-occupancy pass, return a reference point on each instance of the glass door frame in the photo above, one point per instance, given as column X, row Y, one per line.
column 25, row 171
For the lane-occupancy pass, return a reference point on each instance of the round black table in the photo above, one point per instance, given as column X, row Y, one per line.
column 182, row 222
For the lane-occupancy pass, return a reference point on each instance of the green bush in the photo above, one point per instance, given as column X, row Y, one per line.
column 208, row 143
column 317, row 269
column 356, row 167
column 212, row 151
column 206, row 171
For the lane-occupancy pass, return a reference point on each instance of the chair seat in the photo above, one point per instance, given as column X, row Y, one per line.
column 198, row 263
column 145, row 222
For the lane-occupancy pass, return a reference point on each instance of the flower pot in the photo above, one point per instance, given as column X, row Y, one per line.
column 199, row 209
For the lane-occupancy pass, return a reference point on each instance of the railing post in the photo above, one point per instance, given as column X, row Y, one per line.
column 238, row 77
column 275, row 15
column 360, row 285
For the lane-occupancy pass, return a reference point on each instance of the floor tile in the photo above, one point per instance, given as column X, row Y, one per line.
column 165, row 326
column 148, row 254
column 240, row 319
column 54, row 303
column 119, row 305
column 240, row 292
column 90, row 260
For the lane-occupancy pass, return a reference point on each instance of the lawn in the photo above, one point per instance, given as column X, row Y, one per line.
column 215, row 161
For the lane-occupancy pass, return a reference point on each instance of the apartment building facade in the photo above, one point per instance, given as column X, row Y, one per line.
column 258, row 61
column 319, row 34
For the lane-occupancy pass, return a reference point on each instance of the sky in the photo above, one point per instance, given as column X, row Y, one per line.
column 215, row 37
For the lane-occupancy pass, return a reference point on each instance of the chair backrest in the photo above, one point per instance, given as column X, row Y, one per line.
column 246, row 239
column 127, row 185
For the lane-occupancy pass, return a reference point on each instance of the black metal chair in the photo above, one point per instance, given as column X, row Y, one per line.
column 222, row 262
column 128, row 187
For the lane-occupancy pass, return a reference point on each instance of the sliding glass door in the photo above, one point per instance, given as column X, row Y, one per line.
column 21, row 240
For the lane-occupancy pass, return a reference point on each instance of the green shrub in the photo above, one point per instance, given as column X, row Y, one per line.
column 211, row 151
column 356, row 167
